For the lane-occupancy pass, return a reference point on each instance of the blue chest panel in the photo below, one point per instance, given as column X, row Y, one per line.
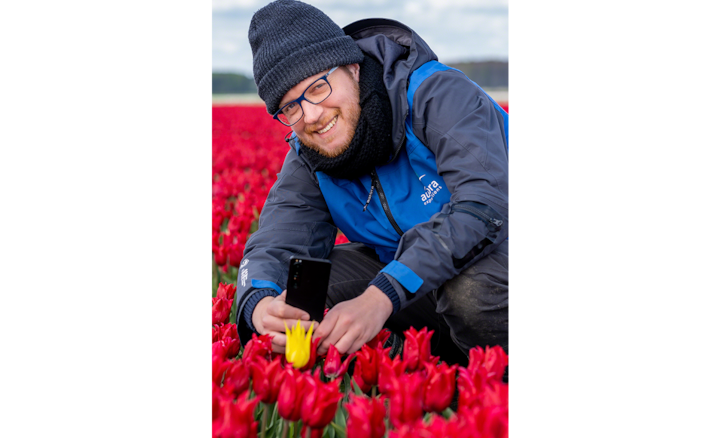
column 414, row 192
column 411, row 184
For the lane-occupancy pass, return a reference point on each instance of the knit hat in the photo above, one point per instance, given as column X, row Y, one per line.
column 292, row 41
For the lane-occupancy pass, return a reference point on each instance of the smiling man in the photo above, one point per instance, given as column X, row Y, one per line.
column 327, row 129
column 407, row 157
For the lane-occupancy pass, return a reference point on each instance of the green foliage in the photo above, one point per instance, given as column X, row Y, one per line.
column 487, row 74
column 232, row 83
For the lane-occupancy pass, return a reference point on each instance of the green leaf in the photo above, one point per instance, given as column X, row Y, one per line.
column 448, row 413
column 356, row 388
column 340, row 431
column 340, row 418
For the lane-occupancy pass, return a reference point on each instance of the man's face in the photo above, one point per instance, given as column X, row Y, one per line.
column 329, row 126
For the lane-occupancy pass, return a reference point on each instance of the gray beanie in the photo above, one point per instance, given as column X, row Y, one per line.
column 292, row 41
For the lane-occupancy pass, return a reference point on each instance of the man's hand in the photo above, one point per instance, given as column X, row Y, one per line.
column 271, row 315
column 352, row 323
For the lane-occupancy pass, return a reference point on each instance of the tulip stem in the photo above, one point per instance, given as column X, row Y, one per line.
column 264, row 419
column 285, row 429
column 374, row 391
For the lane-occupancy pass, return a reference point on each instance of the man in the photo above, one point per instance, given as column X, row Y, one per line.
column 424, row 201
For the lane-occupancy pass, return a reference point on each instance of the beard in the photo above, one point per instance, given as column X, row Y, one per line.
column 350, row 116
column 365, row 117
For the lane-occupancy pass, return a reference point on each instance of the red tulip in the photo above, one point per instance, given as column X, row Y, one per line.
column 493, row 360
column 258, row 346
column 379, row 340
column 494, row 421
column 389, row 369
column 226, row 291
column 266, row 378
column 491, row 421
column 366, row 417
column 292, row 392
column 367, row 364
column 216, row 332
column 221, row 256
column 494, row 393
column 237, row 378
column 320, row 401
column 221, row 310
column 416, row 350
column 334, row 367
column 411, row 430
column 456, row 427
column 219, row 362
column 359, row 382
column 439, row 387
column 235, row 254
column 406, row 399
column 236, row 419
column 227, row 333
column 219, row 396
column 470, row 384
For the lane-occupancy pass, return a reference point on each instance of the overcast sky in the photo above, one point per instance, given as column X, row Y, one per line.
column 457, row 30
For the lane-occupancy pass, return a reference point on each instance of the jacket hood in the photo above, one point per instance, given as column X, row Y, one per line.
column 400, row 50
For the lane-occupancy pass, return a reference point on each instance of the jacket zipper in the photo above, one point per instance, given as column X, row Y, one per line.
column 383, row 201
column 478, row 214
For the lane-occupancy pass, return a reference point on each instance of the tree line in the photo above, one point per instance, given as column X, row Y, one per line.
column 487, row 74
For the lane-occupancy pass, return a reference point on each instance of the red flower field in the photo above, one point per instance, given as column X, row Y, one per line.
column 367, row 394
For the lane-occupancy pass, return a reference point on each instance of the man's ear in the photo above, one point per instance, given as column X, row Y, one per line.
column 354, row 70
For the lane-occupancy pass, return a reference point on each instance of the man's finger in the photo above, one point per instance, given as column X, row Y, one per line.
column 355, row 346
column 285, row 311
column 326, row 326
column 336, row 332
column 291, row 323
column 278, row 342
column 278, row 325
column 348, row 340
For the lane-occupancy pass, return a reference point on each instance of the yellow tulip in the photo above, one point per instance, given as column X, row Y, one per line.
column 297, row 347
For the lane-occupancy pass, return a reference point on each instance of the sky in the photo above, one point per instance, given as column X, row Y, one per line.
column 457, row 30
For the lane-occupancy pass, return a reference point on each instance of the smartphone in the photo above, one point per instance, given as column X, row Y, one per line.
column 307, row 285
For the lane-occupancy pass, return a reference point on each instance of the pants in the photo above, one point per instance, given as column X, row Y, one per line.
column 468, row 310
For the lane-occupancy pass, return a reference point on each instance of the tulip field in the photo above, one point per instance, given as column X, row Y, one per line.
column 367, row 394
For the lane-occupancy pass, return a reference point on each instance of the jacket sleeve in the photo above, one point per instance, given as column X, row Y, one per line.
column 295, row 221
column 459, row 124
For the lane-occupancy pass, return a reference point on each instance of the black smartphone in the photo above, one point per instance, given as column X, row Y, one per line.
column 307, row 285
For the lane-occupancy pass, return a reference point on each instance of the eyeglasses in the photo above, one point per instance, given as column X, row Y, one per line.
column 292, row 112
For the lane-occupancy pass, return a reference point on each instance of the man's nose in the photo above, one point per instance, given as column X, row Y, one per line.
column 312, row 112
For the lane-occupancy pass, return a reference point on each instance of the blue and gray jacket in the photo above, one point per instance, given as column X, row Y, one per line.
column 439, row 205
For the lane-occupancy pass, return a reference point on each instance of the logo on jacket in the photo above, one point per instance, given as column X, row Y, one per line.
column 243, row 276
column 430, row 191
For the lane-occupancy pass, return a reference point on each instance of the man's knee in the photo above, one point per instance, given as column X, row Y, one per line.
column 475, row 303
